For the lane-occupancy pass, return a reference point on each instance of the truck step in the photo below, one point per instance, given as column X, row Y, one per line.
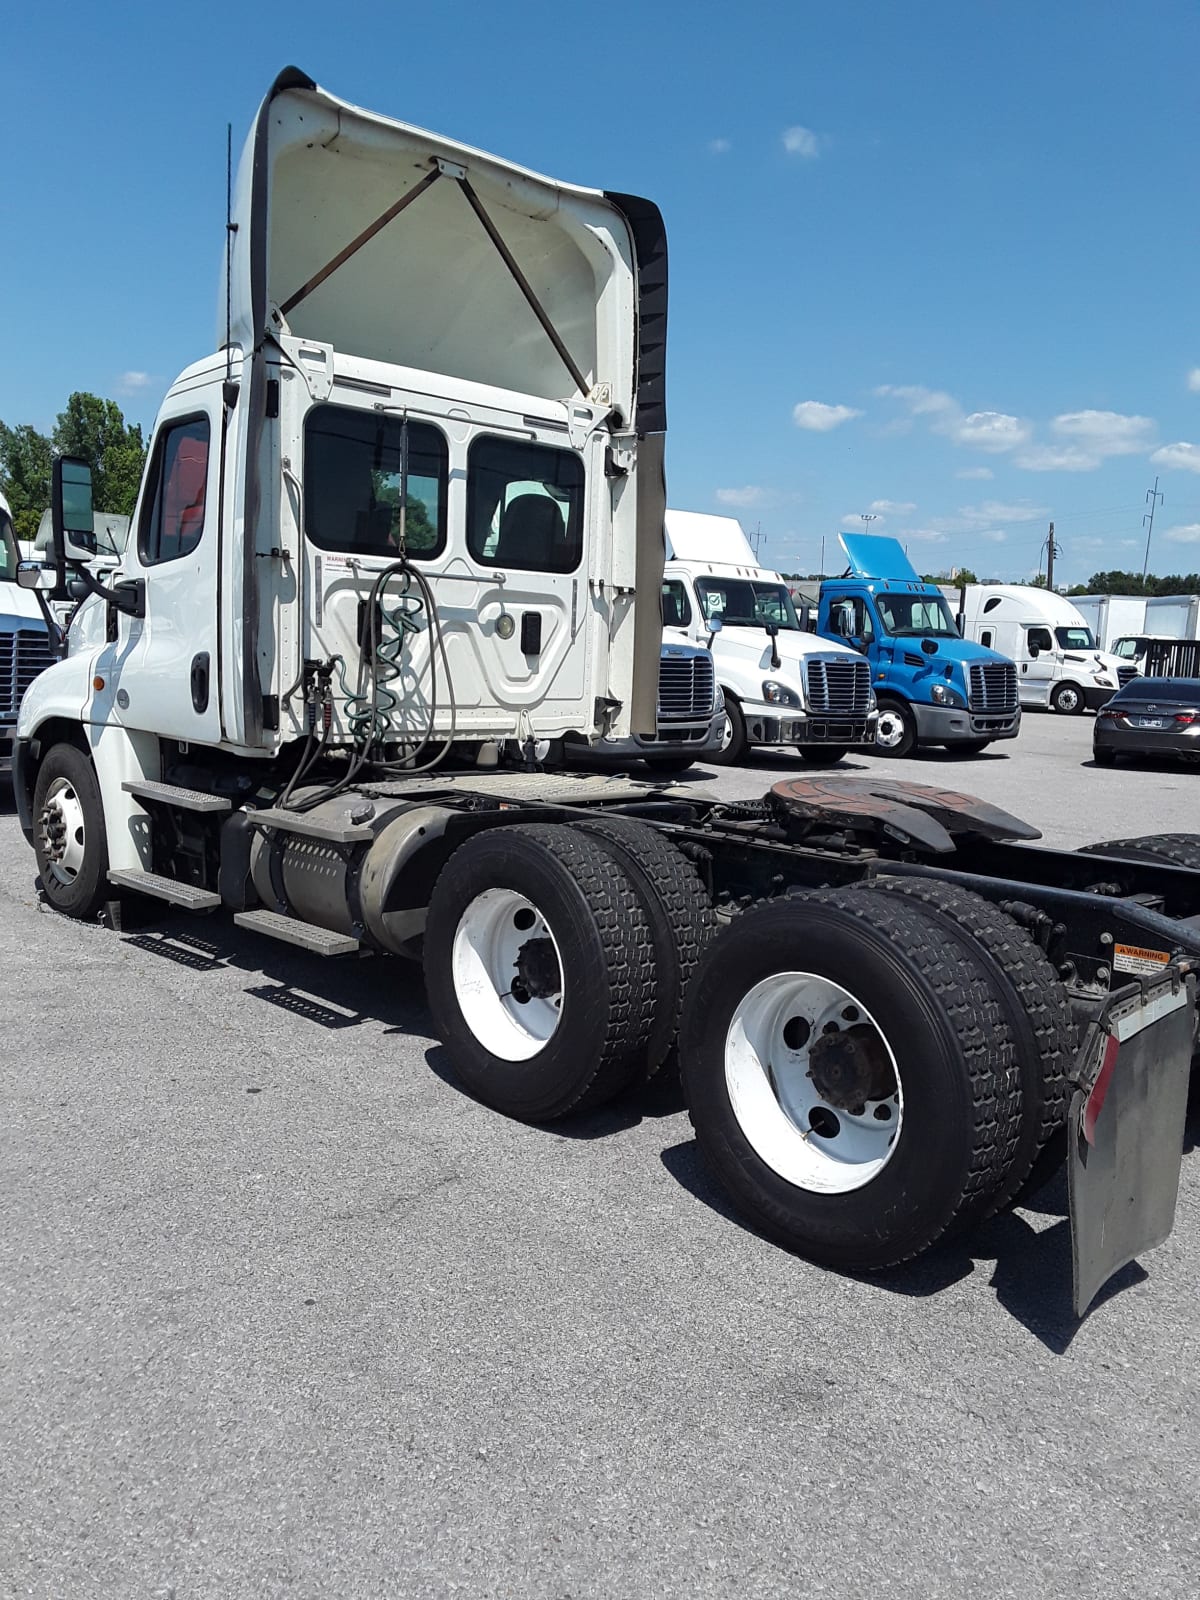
column 184, row 799
column 322, row 941
column 329, row 831
column 186, row 895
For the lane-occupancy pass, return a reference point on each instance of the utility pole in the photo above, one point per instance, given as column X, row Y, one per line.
column 1153, row 496
column 1051, row 552
column 822, row 555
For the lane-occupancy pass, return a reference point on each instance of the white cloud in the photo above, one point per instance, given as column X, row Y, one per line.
column 975, row 472
column 993, row 431
column 134, row 382
column 924, row 535
column 1003, row 511
column 994, row 536
column 919, row 400
column 817, row 417
column 750, row 495
column 1193, row 380
column 1182, row 455
column 1186, row 533
column 892, row 508
column 719, row 147
column 802, row 142
column 1106, row 433
column 1057, row 458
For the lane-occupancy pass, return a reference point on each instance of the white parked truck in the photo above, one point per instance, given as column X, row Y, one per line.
column 1058, row 663
column 25, row 644
column 782, row 685
column 403, row 527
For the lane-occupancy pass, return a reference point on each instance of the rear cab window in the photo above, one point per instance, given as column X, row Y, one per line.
column 354, row 467
column 524, row 505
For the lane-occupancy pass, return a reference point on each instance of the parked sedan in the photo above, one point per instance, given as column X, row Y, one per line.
column 1149, row 717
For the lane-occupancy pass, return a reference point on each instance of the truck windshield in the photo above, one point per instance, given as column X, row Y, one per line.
column 913, row 614
column 1075, row 638
column 740, row 603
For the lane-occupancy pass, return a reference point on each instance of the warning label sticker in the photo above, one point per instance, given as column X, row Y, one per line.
column 1133, row 958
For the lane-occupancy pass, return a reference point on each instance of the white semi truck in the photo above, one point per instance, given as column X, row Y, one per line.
column 25, row 645
column 782, row 685
column 403, row 527
column 1058, row 664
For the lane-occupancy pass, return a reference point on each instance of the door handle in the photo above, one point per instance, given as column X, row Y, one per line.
column 531, row 633
column 200, row 682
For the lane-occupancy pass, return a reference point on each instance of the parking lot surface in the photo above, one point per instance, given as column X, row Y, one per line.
column 283, row 1312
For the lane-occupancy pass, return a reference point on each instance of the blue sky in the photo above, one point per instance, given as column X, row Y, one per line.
column 931, row 262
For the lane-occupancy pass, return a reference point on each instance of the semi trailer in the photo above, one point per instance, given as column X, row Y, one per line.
column 402, row 531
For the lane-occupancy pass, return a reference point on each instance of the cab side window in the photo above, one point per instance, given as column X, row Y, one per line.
column 524, row 505
column 1039, row 639
column 676, row 609
column 172, row 520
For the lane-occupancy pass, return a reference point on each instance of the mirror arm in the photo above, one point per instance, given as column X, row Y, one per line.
column 128, row 596
column 58, row 634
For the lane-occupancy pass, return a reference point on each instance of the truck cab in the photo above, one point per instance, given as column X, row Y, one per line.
column 933, row 686
column 25, row 648
column 782, row 685
column 1058, row 664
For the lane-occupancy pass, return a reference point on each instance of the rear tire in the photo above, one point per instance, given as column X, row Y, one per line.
column 734, row 744
column 1104, row 758
column 539, row 967
column 677, row 908
column 69, row 837
column 1177, row 849
column 854, row 1183
column 1035, row 1009
column 896, row 729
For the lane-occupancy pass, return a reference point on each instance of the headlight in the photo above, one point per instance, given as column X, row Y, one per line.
column 778, row 694
column 1104, row 683
column 943, row 695
column 872, row 703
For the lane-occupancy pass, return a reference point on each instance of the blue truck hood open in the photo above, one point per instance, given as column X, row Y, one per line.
column 871, row 556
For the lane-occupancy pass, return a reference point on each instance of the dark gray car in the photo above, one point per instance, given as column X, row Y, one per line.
column 1149, row 717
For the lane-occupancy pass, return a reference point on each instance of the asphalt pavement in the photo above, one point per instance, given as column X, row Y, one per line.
column 284, row 1313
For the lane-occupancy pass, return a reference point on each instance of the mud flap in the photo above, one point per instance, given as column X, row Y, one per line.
column 1125, row 1133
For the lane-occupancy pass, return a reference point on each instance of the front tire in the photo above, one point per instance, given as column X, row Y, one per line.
column 968, row 747
column 846, row 1076
column 896, row 729
column 69, row 838
column 540, row 970
column 670, row 765
column 1067, row 699
column 734, row 744
column 821, row 755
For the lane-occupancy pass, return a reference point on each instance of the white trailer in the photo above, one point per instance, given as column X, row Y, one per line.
column 782, row 684
column 1058, row 662
column 1111, row 616
column 405, row 526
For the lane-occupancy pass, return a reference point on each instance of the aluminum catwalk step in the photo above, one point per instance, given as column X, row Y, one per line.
column 186, row 895
column 321, row 941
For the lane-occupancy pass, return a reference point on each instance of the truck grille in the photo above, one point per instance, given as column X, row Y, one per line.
column 1126, row 675
column 839, row 688
column 686, row 686
column 22, row 656
column 994, row 687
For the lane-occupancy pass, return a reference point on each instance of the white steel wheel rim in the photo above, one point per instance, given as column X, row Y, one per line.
column 889, row 730
column 63, row 831
column 791, row 1126
column 492, row 933
column 1068, row 698
column 727, row 732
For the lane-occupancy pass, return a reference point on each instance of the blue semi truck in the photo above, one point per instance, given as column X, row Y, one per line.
column 933, row 687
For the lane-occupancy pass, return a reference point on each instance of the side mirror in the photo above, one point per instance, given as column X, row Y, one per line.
column 33, row 575
column 929, row 646
column 1034, row 652
column 71, row 510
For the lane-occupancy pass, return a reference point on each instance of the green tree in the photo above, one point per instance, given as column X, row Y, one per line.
column 96, row 431
column 25, row 456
